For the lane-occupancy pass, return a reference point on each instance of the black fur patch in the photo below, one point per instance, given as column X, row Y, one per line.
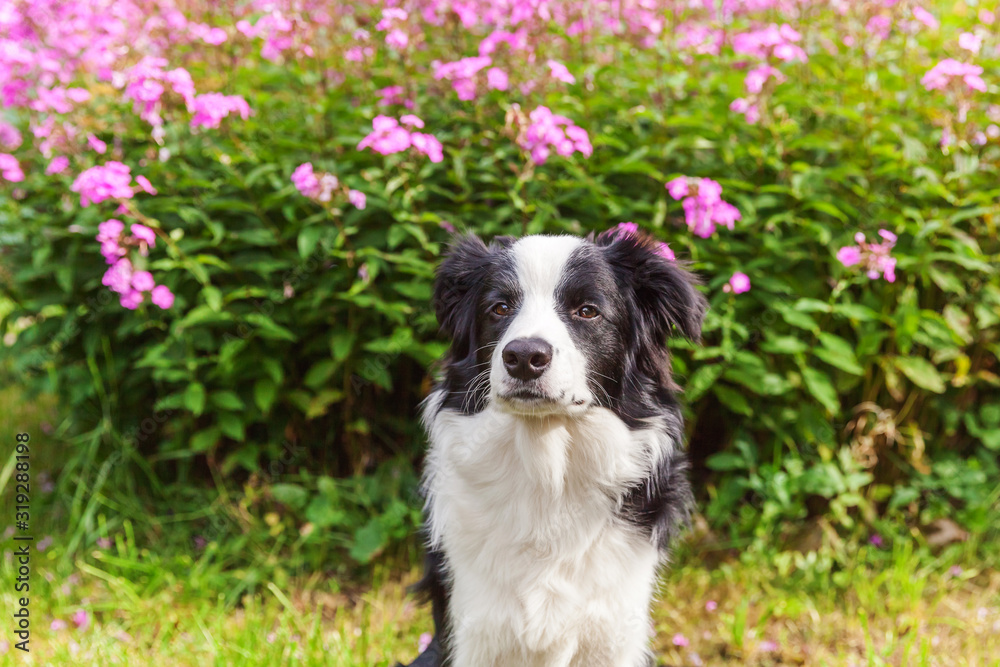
column 471, row 279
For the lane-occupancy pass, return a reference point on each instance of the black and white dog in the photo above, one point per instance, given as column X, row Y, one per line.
column 555, row 478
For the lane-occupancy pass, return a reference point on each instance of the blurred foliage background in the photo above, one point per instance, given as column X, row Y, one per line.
column 268, row 419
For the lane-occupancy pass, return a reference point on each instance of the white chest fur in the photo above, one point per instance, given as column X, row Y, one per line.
column 542, row 570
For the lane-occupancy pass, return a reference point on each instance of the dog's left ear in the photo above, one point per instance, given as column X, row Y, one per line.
column 665, row 292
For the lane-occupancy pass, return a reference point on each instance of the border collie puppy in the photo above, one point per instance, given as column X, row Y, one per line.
column 555, row 478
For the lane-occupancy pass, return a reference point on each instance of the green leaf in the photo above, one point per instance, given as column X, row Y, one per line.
column 701, row 380
column 838, row 352
column 265, row 391
column 320, row 373
column 292, row 495
column 232, row 426
column 308, row 239
column 783, row 345
column 818, row 384
column 268, row 328
column 206, row 439
column 855, row 311
column 732, row 399
column 227, row 400
column 921, row 373
column 368, row 541
column 726, row 461
column 194, row 398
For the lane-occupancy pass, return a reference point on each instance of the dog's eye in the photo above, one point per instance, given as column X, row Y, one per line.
column 501, row 309
column 587, row 312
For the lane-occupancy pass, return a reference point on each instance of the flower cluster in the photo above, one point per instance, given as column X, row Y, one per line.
column 463, row 74
column 548, row 131
column 703, row 204
column 130, row 284
column 773, row 41
column 939, row 76
column 874, row 257
column 771, row 44
column 321, row 188
column 112, row 180
column 10, row 169
column 389, row 136
column 209, row 109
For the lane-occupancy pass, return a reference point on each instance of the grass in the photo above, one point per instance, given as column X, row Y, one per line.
column 148, row 596
column 915, row 609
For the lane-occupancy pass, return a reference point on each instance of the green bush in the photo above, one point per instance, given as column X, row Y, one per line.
column 301, row 326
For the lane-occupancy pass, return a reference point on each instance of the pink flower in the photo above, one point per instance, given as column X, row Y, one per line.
column 327, row 184
column 711, row 605
column 970, row 42
column 109, row 181
column 849, row 255
column 397, row 39
column 767, row 646
column 10, row 169
column 757, row 77
column 424, row 641
column 386, row 137
column 109, row 229
column 305, row 180
column 390, row 95
column 162, row 297
column 496, row 79
column 941, row 75
column 738, row 284
column 57, row 166
column 680, row 640
column 874, row 257
column 559, row 72
column 706, row 209
column 627, row 229
column 678, row 188
column 357, row 198
column 879, row 26
column 428, row 145
column 925, row 17
column 462, row 74
column 143, row 234
column 10, row 138
column 663, row 250
column 57, row 625
column 549, row 131
column 146, row 186
column 96, row 144
column 210, row 108
column 118, row 278
column 81, row 619
column 142, row 281
column 411, row 121
column 876, row 541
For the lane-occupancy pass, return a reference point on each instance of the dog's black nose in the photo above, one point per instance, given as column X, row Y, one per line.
column 527, row 358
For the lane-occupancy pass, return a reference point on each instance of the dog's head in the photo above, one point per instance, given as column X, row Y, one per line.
column 558, row 324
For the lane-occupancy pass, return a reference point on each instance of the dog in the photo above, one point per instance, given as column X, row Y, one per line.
column 555, row 479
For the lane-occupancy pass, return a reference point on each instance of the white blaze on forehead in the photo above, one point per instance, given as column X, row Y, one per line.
column 540, row 261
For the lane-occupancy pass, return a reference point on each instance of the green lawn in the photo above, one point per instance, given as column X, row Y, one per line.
column 905, row 613
column 156, row 597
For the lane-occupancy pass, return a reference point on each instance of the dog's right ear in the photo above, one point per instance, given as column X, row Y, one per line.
column 457, row 288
